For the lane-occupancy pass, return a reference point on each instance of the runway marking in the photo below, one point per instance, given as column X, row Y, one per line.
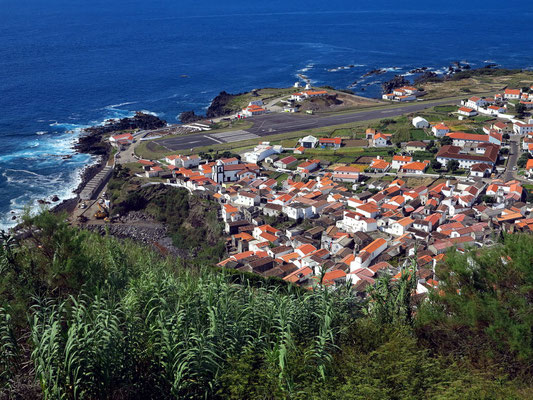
column 213, row 139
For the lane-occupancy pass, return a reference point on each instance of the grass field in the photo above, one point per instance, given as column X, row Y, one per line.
column 483, row 84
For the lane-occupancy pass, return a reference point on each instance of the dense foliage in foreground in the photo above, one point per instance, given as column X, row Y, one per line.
column 89, row 317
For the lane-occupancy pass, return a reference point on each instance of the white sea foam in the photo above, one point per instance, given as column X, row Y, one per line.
column 150, row 113
column 308, row 67
column 344, row 67
column 120, row 104
column 41, row 133
column 391, row 69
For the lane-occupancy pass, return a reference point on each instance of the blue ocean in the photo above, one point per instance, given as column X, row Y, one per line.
column 68, row 64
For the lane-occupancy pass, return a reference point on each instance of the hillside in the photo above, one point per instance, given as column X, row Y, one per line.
column 90, row 317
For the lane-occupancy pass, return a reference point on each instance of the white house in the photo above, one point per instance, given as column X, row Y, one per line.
column 512, row 94
column 480, row 170
column 415, row 167
column 419, row 122
column 285, row 162
column 475, row 102
column 381, row 140
column 398, row 161
column 253, row 110
column 521, row 128
column 298, row 211
column 308, row 166
column 368, row 253
column 353, row 222
column 247, row 199
column 183, row 161
column 494, row 110
column 408, row 97
column 124, row 139
column 400, row 227
column 346, row 174
column 466, row 111
column 463, row 139
column 440, row 130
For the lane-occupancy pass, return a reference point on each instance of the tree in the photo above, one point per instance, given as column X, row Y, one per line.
column 488, row 199
column 520, row 110
column 430, row 145
column 506, row 136
column 435, row 165
column 445, row 140
column 522, row 161
column 453, row 165
column 504, row 151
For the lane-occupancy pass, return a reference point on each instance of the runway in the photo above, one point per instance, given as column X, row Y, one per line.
column 276, row 123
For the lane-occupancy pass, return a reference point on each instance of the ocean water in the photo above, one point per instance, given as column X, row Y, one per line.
column 69, row 64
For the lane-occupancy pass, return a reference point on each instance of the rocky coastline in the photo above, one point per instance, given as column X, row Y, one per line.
column 92, row 142
column 218, row 108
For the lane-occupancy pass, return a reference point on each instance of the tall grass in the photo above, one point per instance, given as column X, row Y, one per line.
column 184, row 326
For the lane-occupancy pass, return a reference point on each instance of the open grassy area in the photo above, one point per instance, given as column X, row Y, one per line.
column 151, row 150
column 482, row 84
column 267, row 94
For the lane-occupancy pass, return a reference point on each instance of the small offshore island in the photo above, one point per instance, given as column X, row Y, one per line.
column 300, row 242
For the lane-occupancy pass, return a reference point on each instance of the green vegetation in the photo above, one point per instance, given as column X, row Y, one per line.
column 420, row 134
column 100, row 318
column 192, row 222
column 522, row 160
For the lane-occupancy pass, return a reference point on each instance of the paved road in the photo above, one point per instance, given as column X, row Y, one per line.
column 276, row 123
column 514, row 153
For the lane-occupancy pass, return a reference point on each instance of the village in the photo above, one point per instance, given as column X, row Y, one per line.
column 307, row 217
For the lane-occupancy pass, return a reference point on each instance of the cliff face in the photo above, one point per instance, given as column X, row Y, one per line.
column 219, row 105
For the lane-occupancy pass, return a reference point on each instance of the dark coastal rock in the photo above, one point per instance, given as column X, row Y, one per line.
column 187, row 117
column 139, row 121
column 91, row 141
column 428, row 76
column 55, row 198
column 41, row 201
column 394, row 83
column 378, row 71
column 419, row 70
column 219, row 105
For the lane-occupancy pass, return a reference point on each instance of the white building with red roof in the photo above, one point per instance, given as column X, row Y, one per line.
column 399, row 161
column 475, row 102
column 252, row 110
column 335, row 142
column 440, row 130
column 467, row 111
column 522, row 128
column 381, row 139
column 346, row 174
column 355, row 222
column 368, row 254
column 124, row 139
column 416, row 167
column 512, row 94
